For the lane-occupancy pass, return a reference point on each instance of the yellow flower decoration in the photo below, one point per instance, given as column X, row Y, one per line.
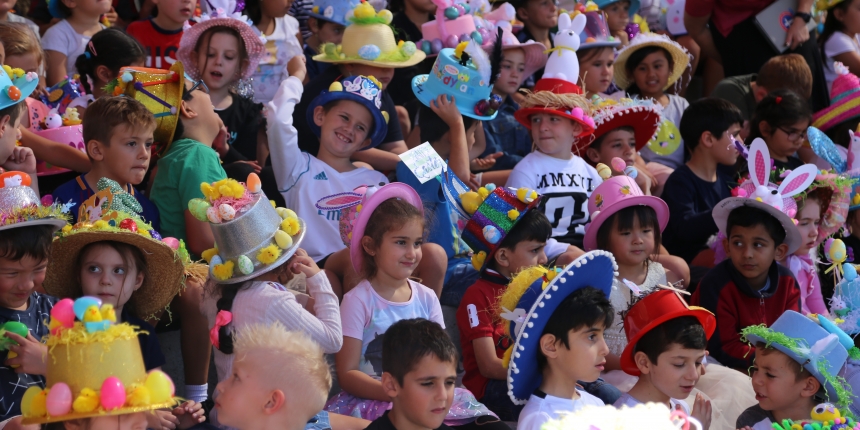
column 269, row 254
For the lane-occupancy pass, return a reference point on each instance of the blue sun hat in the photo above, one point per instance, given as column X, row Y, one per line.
column 528, row 303
column 16, row 85
column 365, row 90
column 634, row 5
column 336, row 11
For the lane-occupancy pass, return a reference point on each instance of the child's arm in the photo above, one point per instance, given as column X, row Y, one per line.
column 23, row 160
column 352, row 380
column 56, row 65
column 458, row 157
column 382, row 158
column 262, row 146
column 489, row 364
column 815, row 301
column 686, row 221
column 32, row 355
column 282, row 136
column 55, row 153
column 198, row 234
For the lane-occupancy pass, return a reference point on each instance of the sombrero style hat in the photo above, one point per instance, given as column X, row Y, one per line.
column 370, row 40
column 644, row 116
column 20, row 206
column 529, row 302
column 844, row 100
column 252, row 236
column 112, row 214
column 680, row 57
column 95, row 368
column 364, row 90
column 561, row 98
column 222, row 13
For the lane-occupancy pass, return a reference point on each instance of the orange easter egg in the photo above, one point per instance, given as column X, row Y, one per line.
column 253, row 183
column 14, row 93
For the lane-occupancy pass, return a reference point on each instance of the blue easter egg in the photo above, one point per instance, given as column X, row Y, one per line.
column 83, row 303
column 452, row 13
column 476, row 36
column 369, row 52
column 849, row 271
column 631, row 172
column 425, row 46
column 466, row 8
column 408, row 48
column 492, row 234
column 155, row 235
column 436, row 45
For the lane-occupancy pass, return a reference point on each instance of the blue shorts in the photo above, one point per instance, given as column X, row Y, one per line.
column 459, row 276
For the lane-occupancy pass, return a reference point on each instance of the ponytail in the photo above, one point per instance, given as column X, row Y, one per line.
column 112, row 48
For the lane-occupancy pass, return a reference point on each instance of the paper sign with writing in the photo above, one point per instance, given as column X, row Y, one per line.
column 424, row 162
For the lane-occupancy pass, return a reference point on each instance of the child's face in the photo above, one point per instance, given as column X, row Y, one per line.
column 201, row 104
column 327, row 31
column 652, row 74
column 176, row 10
column 426, row 6
column 525, row 254
column 345, row 128
column 616, row 143
column 596, row 72
column 90, row 8
column 540, row 13
column 6, row 6
column 775, row 382
column 752, row 251
column 135, row 421
column 808, row 220
column 28, row 62
column 677, row 370
column 632, row 247
column 383, row 75
column 554, row 135
column 586, row 357
column 276, row 8
column 783, row 142
column 18, row 278
column 104, row 275
column 9, row 135
column 242, row 395
column 426, row 394
column 511, row 75
column 850, row 18
column 127, row 157
column 400, row 251
column 221, row 63
column 724, row 151
column 617, row 15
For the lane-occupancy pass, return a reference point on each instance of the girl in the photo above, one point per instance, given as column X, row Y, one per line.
column 385, row 252
column 618, row 14
column 839, row 40
column 65, row 40
column 107, row 52
column 283, row 42
column 781, row 119
column 596, row 56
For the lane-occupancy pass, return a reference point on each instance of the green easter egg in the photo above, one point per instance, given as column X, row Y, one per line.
column 245, row 264
column 198, row 208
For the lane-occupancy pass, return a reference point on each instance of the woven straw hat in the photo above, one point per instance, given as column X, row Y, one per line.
column 680, row 57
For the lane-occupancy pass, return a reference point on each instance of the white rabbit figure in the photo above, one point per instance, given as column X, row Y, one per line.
column 760, row 166
column 562, row 62
column 854, row 150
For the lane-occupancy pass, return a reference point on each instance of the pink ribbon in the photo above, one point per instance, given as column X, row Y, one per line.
column 223, row 318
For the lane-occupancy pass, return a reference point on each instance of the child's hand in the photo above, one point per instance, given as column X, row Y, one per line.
column 32, row 355
column 481, row 164
column 447, row 110
column 304, row 264
column 296, row 67
column 220, row 143
column 702, row 411
column 164, row 420
column 189, row 414
column 22, row 159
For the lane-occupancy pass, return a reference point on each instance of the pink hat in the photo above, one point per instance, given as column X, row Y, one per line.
column 614, row 194
column 222, row 13
column 534, row 51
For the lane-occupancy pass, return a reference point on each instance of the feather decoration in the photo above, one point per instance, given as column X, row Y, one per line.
column 496, row 58
column 480, row 60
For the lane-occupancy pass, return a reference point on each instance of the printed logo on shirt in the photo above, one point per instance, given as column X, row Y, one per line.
column 472, row 310
column 321, row 176
column 567, row 213
column 158, row 60
column 565, row 180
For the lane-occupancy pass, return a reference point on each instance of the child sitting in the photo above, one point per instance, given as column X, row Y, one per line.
column 327, row 22
column 596, row 55
column 618, row 14
column 282, row 35
column 108, row 51
column 781, row 120
column 160, row 34
column 539, row 18
column 67, row 39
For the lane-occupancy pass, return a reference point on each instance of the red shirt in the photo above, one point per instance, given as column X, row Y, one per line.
column 725, row 14
column 476, row 319
column 160, row 44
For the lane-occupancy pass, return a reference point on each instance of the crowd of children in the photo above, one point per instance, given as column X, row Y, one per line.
column 423, row 214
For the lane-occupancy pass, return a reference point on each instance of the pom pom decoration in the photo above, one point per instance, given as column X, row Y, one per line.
column 138, row 395
column 513, row 214
column 38, row 405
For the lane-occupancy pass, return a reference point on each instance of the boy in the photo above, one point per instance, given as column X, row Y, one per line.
column 324, row 29
column 118, row 133
column 666, row 352
column 539, row 17
column 260, row 394
column 791, row 378
column 709, row 127
column 160, row 34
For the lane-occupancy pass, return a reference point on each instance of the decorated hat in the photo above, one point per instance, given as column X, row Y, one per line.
column 652, row 310
column 535, row 58
column 111, row 214
column 760, row 193
column 844, row 100
column 816, row 344
column 160, row 91
column 252, row 236
column 365, row 90
column 561, row 98
column 616, row 193
column 680, row 56
column 95, row 368
column 370, row 40
column 467, row 73
column 845, row 303
column 20, row 205
column 528, row 303
column 822, row 5
column 455, row 23
column 335, row 11
column 16, row 85
column 596, row 33
column 654, row 416
column 222, row 13
column 644, row 116
column 65, row 94
column 634, row 5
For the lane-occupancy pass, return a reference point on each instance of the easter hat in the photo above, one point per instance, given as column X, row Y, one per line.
column 634, row 5
column 535, row 58
column 111, row 214
column 614, row 194
column 364, row 90
column 467, row 74
column 95, row 368
column 596, row 32
column 652, row 310
column 252, row 236
column 222, row 13
column 335, row 11
column 846, row 166
column 565, row 99
column 680, row 57
column 16, row 85
column 644, row 116
column 529, row 302
column 20, row 205
column 455, row 23
column 160, row 91
column 370, row 40
column 816, row 344
column 844, row 100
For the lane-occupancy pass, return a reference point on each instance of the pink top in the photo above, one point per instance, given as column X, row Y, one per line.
column 725, row 14
column 811, row 300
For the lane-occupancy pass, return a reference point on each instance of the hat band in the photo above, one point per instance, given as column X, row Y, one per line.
column 844, row 94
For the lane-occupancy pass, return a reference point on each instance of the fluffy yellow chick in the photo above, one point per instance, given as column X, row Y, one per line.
column 290, row 226
column 230, row 188
column 92, row 314
column 223, row 272
column 209, row 253
column 269, row 254
column 38, row 407
column 87, row 401
column 138, row 395
column 471, row 201
column 210, row 192
column 364, row 10
column 108, row 312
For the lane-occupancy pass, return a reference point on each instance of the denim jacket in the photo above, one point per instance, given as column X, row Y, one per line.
column 505, row 134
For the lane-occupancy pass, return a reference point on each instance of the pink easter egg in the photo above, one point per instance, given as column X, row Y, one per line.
column 64, row 312
column 59, row 400
column 112, row 394
column 172, row 242
column 577, row 113
column 618, row 164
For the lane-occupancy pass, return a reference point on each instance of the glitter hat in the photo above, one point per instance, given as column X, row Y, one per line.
column 95, row 368
column 20, row 206
column 335, row 11
column 680, row 57
column 561, row 98
column 529, row 302
column 644, row 116
column 844, row 100
column 364, row 90
column 16, row 85
column 596, row 33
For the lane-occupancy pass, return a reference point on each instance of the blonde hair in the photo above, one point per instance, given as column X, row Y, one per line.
column 551, row 100
column 18, row 39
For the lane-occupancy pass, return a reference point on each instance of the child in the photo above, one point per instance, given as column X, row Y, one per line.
column 560, row 344
column 327, row 22
column 7, row 15
column 160, row 34
column 838, row 40
column 750, row 287
column 618, row 15
column 710, row 127
column 67, row 39
column 281, row 31
column 539, row 17
column 107, row 52
column 596, row 55
column 385, row 252
column 262, row 352
column 667, row 353
column 796, row 363
column 781, row 119
column 12, row 156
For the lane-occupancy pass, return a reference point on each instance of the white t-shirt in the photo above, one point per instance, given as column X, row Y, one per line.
column 20, row 19
column 281, row 46
column 564, row 186
column 539, row 410
column 365, row 315
column 61, row 37
column 838, row 43
column 627, row 400
column 303, row 179
column 672, row 114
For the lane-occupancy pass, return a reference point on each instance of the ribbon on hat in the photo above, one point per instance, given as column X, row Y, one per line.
column 222, row 319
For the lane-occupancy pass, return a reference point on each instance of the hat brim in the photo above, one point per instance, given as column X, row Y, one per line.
column 600, row 44
column 254, row 47
column 56, row 223
column 416, row 58
column 706, row 319
column 535, row 58
column 523, row 116
column 594, row 269
column 97, row 413
column 26, row 87
column 380, row 126
column 161, row 284
column 426, row 97
column 327, row 19
column 394, row 190
column 645, row 125
column 285, row 255
column 680, row 61
column 589, row 242
column 726, row 206
column 845, row 109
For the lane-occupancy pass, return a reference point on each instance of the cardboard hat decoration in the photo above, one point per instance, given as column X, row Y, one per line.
column 364, row 90
column 335, row 11
column 455, row 23
column 528, row 303
column 16, row 85
column 680, row 57
column 20, row 205
column 844, row 100
column 95, row 368
column 251, row 235
column 644, row 116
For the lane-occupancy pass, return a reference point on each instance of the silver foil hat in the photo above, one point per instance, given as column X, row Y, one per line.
column 20, row 205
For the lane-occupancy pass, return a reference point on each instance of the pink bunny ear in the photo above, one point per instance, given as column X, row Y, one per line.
column 799, row 179
column 760, row 157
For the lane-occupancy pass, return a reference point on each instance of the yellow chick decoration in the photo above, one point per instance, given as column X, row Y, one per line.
column 458, row 51
column 39, row 404
column 483, row 192
column 269, row 254
column 223, row 272
column 92, row 314
column 825, row 412
column 230, row 188
column 478, row 260
column 290, row 226
column 138, row 395
column 108, row 312
column 210, row 192
column 471, row 201
column 209, row 253
column 526, row 195
column 364, row 10
column 87, row 401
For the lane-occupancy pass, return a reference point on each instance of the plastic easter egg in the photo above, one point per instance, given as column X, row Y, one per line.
column 154, row 234
column 618, row 164
column 14, row 93
column 408, row 48
column 128, row 224
column 283, row 240
column 849, row 272
column 216, row 260
column 112, row 393
column 64, row 313
column 476, row 36
column 213, row 216
column 253, row 183
column 82, row 304
column 172, row 242
column 369, row 52
column 436, row 46
column 837, row 252
column 246, row 266
column 492, row 234
column 198, row 208
column 452, row 13
column 386, row 15
column 425, row 46
column 460, row 9
column 604, row 171
column 226, row 212
column 27, row 400
column 495, row 101
column 59, row 401
column 452, row 41
column 160, row 386
column 631, row 172
column 485, row 34
column 466, row 8
column 465, row 37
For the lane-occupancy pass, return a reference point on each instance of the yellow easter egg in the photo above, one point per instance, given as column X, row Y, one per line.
column 335, row 86
column 160, row 386
column 27, row 400
column 283, row 240
column 471, row 201
column 838, row 253
column 11, row 355
column 386, row 15
column 101, row 224
column 604, row 171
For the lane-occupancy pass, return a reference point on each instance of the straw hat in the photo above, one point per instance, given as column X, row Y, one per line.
column 20, row 206
column 111, row 214
column 564, row 99
column 680, row 57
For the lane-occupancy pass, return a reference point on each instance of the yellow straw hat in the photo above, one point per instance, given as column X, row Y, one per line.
column 680, row 57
